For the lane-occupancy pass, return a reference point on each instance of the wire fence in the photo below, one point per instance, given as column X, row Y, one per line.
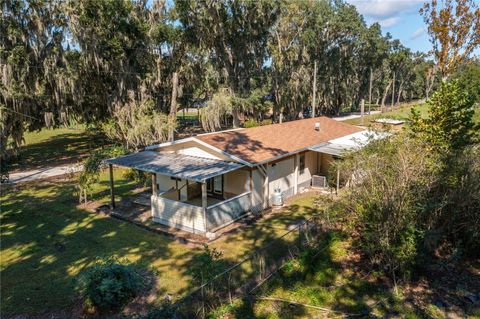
column 245, row 277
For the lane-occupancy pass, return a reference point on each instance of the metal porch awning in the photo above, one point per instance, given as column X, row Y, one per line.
column 338, row 147
column 332, row 149
column 182, row 166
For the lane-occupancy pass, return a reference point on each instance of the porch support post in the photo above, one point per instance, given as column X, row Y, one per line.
column 295, row 175
column 266, row 186
column 112, row 190
column 204, row 204
column 251, row 188
column 154, row 184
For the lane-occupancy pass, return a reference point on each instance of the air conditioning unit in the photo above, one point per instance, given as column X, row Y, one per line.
column 319, row 181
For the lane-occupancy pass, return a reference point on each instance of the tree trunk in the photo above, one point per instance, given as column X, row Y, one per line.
column 314, row 88
column 400, row 89
column 173, row 107
column 387, row 88
column 393, row 93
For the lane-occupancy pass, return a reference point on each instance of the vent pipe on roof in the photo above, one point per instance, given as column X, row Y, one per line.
column 317, row 126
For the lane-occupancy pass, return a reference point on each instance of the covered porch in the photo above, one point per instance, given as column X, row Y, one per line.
column 195, row 194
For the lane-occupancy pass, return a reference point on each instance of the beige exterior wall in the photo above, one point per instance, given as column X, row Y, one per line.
column 165, row 183
column 194, row 148
column 236, row 182
column 310, row 167
column 325, row 161
column 259, row 198
column 282, row 175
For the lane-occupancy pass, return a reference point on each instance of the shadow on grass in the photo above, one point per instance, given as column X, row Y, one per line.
column 47, row 241
column 64, row 148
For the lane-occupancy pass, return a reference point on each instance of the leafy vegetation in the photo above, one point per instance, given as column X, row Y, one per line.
column 102, row 60
column 421, row 193
column 92, row 168
column 109, row 285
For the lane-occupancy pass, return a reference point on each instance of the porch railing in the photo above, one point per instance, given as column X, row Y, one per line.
column 177, row 214
column 227, row 211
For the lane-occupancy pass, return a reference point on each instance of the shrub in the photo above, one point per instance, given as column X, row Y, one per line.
column 109, row 285
column 251, row 123
column 390, row 181
column 140, row 177
column 206, row 265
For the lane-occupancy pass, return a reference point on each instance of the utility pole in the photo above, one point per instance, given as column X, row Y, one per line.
column 370, row 91
column 314, row 88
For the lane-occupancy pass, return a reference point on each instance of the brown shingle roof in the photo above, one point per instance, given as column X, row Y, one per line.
column 259, row 144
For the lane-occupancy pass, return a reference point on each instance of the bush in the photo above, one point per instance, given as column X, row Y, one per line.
column 109, row 285
column 390, row 181
column 251, row 123
column 139, row 177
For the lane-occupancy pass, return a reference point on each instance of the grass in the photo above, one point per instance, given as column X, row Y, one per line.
column 50, row 147
column 47, row 241
column 189, row 116
column 328, row 278
column 403, row 113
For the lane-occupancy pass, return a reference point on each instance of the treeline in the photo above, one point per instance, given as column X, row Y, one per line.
column 88, row 60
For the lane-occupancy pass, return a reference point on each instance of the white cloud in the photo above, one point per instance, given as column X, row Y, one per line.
column 384, row 9
column 388, row 22
column 418, row 33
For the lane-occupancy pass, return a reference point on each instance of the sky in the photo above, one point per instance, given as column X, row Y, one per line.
column 400, row 18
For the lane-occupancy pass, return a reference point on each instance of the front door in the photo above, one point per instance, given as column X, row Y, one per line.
column 215, row 186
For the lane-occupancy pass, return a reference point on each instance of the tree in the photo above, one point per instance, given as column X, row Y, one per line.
column 35, row 78
column 219, row 107
column 137, row 124
column 235, row 34
column 468, row 78
column 454, row 29
column 449, row 125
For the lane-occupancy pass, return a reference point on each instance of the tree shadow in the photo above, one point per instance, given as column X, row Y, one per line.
column 47, row 242
column 239, row 144
column 61, row 149
column 253, row 252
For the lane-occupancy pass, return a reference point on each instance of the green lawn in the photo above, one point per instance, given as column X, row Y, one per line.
column 402, row 113
column 49, row 147
column 331, row 280
column 189, row 116
column 46, row 241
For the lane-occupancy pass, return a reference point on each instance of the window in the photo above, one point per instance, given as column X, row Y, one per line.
column 301, row 164
column 218, row 184
column 215, row 185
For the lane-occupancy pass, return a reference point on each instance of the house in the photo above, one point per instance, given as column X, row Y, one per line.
column 205, row 182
